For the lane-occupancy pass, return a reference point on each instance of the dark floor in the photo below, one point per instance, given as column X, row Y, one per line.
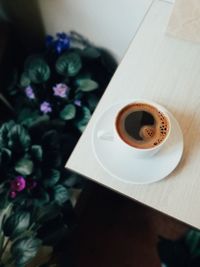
column 118, row 232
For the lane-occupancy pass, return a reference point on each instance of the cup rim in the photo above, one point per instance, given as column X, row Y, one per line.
column 155, row 105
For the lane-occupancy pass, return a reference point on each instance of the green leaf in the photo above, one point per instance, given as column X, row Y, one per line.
column 79, row 95
column 25, row 249
column 24, row 80
column 193, row 242
column 52, row 158
column 68, row 113
column 4, row 130
column 40, row 120
column 86, row 85
column 81, row 124
column 36, row 152
column 2, row 240
column 53, row 238
column 37, row 69
column 19, row 139
column 68, row 64
column 24, row 166
column 61, row 194
column 5, row 156
column 91, row 52
column 51, row 147
column 173, row 252
column 47, row 213
column 71, row 180
column 53, row 178
column 92, row 101
column 3, row 200
column 42, row 198
column 16, row 224
column 31, row 118
column 84, row 75
column 27, row 116
column 50, row 141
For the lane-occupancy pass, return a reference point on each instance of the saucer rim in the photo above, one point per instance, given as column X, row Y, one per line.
column 153, row 180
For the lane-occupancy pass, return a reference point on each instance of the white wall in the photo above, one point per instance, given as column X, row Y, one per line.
column 108, row 23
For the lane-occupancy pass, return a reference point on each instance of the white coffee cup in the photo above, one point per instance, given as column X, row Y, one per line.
column 129, row 150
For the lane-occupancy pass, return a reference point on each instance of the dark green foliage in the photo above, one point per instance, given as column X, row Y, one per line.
column 55, row 236
column 47, row 213
column 29, row 118
column 36, row 152
column 25, row 80
column 69, row 64
column 60, row 194
column 184, row 252
column 91, row 52
column 34, row 148
column 86, row 85
column 192, row 241
column 4, row 130
column 83, row 121
column 6, row 155
column 24, row 249
column 16, row 224
column 71, row 179
column 3, row 201
column 50, row 140
column 83, row 68
column 68, row 112
column 24, row 166
column 18, row 139
column 37, row 70
column 52, row 178
column 92, row 101
column 173, row 253
column 42, row 198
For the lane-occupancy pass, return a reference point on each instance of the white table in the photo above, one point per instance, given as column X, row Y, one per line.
column 165, row 70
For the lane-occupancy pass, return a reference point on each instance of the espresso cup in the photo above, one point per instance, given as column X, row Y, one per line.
column 139, row 129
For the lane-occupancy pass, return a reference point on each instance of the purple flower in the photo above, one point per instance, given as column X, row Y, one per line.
column 29, row 92
column 61, row 35
column 45, row 107
column 13, row 194
column 78, row 103
column 61, row 90
column 49, row 40
column 31, row 184
column 18, row 184
column 62, row 42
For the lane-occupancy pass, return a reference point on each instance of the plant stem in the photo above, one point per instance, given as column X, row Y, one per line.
column 31, row 226
column 5, row 101
column 9, row 262
column 4, row 248
column 5, row 213
column 2, row 242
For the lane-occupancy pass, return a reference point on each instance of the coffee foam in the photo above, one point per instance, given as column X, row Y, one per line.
column 151, row 135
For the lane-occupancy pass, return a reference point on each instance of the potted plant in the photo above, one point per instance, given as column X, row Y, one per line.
column 53, row 95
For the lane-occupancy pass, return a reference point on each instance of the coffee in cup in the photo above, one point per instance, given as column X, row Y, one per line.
column 139, row 129
column 142, row 125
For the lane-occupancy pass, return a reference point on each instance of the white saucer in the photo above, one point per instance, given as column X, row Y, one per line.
column 134, row 170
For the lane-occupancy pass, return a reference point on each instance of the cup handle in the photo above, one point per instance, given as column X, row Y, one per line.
column 105, row 135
